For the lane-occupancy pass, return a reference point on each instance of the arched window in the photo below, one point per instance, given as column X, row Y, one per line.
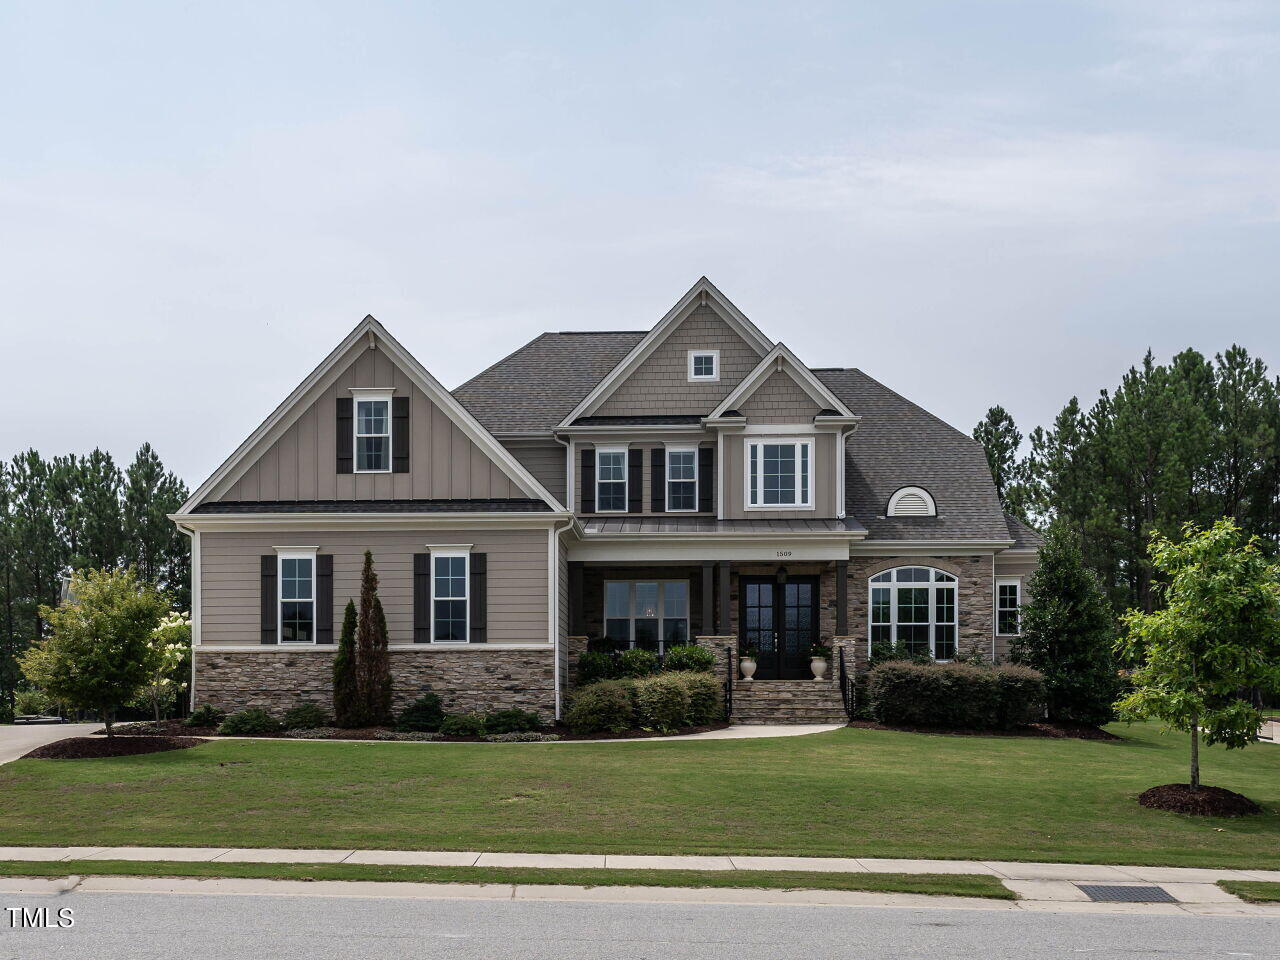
column 912, row 502
column 914, row 607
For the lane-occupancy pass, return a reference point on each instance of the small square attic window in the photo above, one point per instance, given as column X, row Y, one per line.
column 704, row 365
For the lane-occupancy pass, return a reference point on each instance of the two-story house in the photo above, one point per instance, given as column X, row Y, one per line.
column 695, row 482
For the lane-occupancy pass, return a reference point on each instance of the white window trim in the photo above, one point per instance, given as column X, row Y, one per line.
column 715, row 364
column 1004, row 582
column 450, row 550
column 359, row 396
column 631, row 611
column 626, row 477
column 747, row 454
column 932, row 585
column 667, row 504
column 907, row 491
column 294, row 553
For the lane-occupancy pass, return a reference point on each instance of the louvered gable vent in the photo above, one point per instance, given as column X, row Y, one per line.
column 911, row 502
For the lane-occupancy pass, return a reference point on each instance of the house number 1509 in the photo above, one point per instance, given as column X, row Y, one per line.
column 784, row 553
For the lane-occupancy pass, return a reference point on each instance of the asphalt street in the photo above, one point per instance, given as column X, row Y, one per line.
column 139, row 927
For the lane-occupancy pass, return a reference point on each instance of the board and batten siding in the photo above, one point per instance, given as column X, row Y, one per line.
column 301, row 465
column 660, row 385
column 517, row 579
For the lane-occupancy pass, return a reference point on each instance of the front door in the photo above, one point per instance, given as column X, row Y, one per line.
column 780, row 619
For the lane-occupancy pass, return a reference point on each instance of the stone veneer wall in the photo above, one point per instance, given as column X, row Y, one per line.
column 465, row 680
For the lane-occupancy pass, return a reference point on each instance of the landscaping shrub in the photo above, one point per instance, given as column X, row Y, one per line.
column 314, row 733
column 305, row 716
column 603, row 707
column 958, row 696
column 249, row 723
column 512, row 721
column 420, row 735
column 662, row 702
column 206, row 716
column 689, row 657
column 524, row 736
column 6, row 712
column 463, row 725
column 596, row 665
column 706, row 697
column 423, row 715
column 637, row 663
column 1021, row 695
column 31, row 702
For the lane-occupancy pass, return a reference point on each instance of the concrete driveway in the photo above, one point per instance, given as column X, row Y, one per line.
column 18, row 739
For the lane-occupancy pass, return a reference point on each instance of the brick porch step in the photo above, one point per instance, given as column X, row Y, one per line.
column 787, row 701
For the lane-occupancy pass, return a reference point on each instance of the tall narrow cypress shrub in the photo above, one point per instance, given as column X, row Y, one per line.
column 346, row 699
column 379, row 669
column 373, row 669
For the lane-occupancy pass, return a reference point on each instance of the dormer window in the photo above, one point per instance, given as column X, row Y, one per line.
column 912, row 502
column 704, row 365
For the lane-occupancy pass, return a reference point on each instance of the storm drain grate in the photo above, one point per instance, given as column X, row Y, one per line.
column 1117, row 894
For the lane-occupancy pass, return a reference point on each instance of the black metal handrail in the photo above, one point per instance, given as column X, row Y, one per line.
column 730, row 668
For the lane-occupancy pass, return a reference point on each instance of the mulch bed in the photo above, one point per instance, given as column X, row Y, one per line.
column 177, row 729
column 90, row 748
column 1051, row 731
column 1204, row 802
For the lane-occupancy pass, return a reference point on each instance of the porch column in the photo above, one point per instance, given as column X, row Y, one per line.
column 726, row 620
column 577, row 625
column 842, row 598
column 708, row 595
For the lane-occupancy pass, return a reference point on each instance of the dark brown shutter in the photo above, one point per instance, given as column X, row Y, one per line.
column 479, row 598
column 269, row 598
column 588, row 481
column 399, row 434
column 324, row 598
column 345, row 434
column 422, row 598
column 635, row 481
column 658, row 479
column 706, row 480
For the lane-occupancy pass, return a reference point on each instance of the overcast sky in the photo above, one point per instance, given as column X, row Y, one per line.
column 976, row 203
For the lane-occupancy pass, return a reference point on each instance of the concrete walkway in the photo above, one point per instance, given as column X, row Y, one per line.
column 19, row 739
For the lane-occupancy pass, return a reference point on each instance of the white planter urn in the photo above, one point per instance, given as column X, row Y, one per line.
column 748, row 667
column 819, row 667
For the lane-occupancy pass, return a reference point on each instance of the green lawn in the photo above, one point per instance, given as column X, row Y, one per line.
column 847, row 793
column 957, row 885
column 1255, row 891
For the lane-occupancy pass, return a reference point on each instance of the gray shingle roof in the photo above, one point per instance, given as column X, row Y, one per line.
column 535, row 388
column 898, row 444
column 1025, row 538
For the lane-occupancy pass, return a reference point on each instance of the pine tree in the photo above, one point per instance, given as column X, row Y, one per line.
column 346, row 700
column 154, row 545
column 101, row 529
column 1067, row 633
column 1000, row 439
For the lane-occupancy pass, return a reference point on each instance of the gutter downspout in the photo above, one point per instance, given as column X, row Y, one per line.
column 553, row 577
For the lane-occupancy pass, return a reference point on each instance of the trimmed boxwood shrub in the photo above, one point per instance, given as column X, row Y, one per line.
column 594, row 666
column 463, row 725
column 1022, row 695
column 706, row 697
column 689, row 657
column 512, row 721
column 637, row 663
column 662, row 702
column 206, row 716
column 957, row 696
column 305, row 716
column 603, row 707
column 424, row 715
column 249, row 723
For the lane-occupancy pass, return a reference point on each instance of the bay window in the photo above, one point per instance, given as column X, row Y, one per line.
column 780, row 474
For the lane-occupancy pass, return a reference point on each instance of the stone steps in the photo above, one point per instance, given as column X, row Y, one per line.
column 787, row 701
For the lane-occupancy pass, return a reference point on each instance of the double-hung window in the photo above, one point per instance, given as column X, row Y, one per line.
column 913, row 611
column 373, row 434
column 650, row 614
column 780, row 474
column 682, row 480
column 296, row 570
column 450, row 595
column 611, row 480
column 1008, row 606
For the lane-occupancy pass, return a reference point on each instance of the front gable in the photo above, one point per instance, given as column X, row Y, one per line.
column 779, row 399
column 653, row 379
column 297, row 456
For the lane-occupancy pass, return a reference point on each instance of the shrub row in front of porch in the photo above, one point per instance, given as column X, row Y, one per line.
column 958, row 696
column 663, row 702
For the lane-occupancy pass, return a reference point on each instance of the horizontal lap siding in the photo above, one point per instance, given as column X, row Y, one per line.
column 824, row 481
column 302, row 464
column 517, row 579
column 546, row 461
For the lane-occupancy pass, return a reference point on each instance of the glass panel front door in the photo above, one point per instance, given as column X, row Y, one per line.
column 781, row 620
